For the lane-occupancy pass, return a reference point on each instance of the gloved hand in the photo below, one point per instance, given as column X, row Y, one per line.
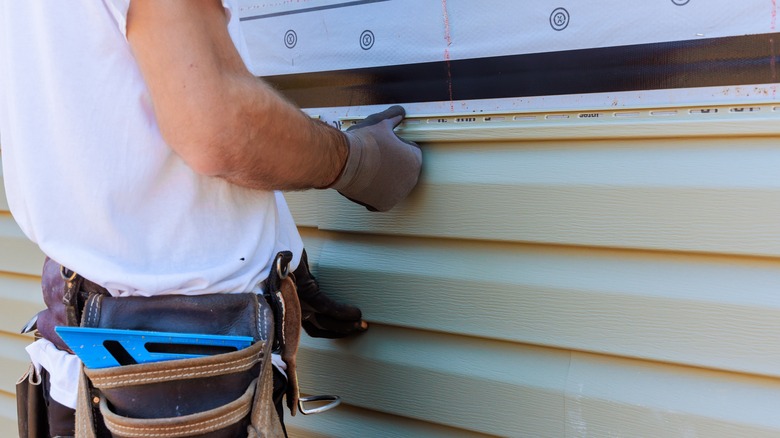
column 321, row 316
column 381, row 167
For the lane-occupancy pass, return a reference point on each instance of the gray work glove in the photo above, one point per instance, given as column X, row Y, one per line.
column 321, row 316
column 381, row 168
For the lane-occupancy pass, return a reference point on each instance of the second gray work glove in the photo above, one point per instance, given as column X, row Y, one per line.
column 381, row 168
column 322, row 317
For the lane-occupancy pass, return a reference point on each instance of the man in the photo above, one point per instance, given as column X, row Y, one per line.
column 141, row 154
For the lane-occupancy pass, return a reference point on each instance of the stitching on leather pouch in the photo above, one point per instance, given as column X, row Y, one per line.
column 228, row 418
column 215, row 366
column 95, row 309
column 260, row 325
column 224, row 420
column 158, row 378
column 237, row 364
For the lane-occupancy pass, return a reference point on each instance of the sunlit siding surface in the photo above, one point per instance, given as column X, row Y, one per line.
column 559, row 281
column 20, row 298
column 548, row 282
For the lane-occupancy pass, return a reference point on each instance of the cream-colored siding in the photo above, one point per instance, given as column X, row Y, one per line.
column 569, row 279
column 20, row 298
column 603, row 278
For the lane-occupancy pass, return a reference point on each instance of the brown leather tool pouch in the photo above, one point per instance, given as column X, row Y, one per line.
column 31, row 406
column 224, row 395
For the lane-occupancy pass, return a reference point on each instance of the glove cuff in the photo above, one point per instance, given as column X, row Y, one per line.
column 360, row 166
column 350, row 169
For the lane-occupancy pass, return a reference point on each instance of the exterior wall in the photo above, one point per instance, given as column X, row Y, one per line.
column 559, row 280
column 608, row 277
column 20, row 298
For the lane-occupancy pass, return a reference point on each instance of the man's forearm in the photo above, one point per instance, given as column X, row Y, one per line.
column 218, row 117
column 276, row 146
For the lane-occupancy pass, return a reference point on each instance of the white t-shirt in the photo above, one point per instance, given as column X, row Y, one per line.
column 89, row 178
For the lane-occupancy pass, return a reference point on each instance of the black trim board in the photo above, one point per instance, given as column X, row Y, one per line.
column 726, row 61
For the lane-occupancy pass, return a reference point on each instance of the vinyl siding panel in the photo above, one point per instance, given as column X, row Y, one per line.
column 531, row 391
column 663, row 307
column 703, row 195
column 446, row 380
column 19, row 255
column 8, row 425
column 13, row 359
column 304, row 207
column 20, row 298
column 608, row 396
column 614, row 281
column 348, row 421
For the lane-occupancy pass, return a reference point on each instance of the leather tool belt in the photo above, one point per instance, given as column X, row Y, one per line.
column 224, row 395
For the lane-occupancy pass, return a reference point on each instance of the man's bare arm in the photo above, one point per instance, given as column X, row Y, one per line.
column 214, row 113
